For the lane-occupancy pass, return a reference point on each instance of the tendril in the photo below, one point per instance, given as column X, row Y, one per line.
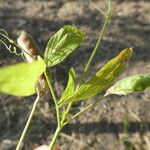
column 2, row 30
column 12, row 48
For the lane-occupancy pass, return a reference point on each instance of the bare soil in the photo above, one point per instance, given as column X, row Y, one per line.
column 102, row 127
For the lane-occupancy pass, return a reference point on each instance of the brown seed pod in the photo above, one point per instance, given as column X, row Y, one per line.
column 26, row 42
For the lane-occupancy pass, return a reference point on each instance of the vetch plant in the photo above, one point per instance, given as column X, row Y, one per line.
column 34, row 76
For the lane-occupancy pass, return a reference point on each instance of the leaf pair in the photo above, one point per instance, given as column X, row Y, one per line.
column 102, row 79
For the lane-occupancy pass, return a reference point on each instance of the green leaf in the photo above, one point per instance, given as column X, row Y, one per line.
column 70, row 86
column 64, row 42
column 103, row 78
column 20, row 79
column 130, row 85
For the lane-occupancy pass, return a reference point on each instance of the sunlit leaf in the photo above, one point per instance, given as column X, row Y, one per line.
column 70, row 86
column 64, row 42
column 103, row 78
column 20, row 79
column 130, row 85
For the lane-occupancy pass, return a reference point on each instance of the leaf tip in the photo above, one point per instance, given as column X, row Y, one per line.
column 112, row 91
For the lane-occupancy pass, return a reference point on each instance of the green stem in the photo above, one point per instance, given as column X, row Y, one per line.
column 65, row 115
column 109, row 6
column 83, row 110
column 51, row 146
column 49, row 81
column 100, row 10
column 59, row 127
column 97, row 46
column 19, row 145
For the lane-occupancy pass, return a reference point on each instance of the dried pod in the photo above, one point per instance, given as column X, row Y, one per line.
column 31, row 53
column 31, row 49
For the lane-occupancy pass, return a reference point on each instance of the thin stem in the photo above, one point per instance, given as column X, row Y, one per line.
column 109, row 6
column 19, row 145
column 83, row 110
column 55, row 138
column 100, row 10
column 97, row 46
column 48, row 78
column 59, row 127
column 66, row 112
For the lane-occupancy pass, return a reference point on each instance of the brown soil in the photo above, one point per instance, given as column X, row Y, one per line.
column 100, row 128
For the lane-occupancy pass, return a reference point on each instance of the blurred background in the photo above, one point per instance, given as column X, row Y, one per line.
column 118, row 123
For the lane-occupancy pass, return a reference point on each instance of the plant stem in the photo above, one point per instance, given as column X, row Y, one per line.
column 55, row 138
column 19, row 145
column 83, row 110
column 59, row 127
column 66, row 112
column 49, row 81
column 109, row 6
column 97, row 46
column 100, row 10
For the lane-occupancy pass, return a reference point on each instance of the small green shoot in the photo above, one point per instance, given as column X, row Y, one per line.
column 22, row 79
